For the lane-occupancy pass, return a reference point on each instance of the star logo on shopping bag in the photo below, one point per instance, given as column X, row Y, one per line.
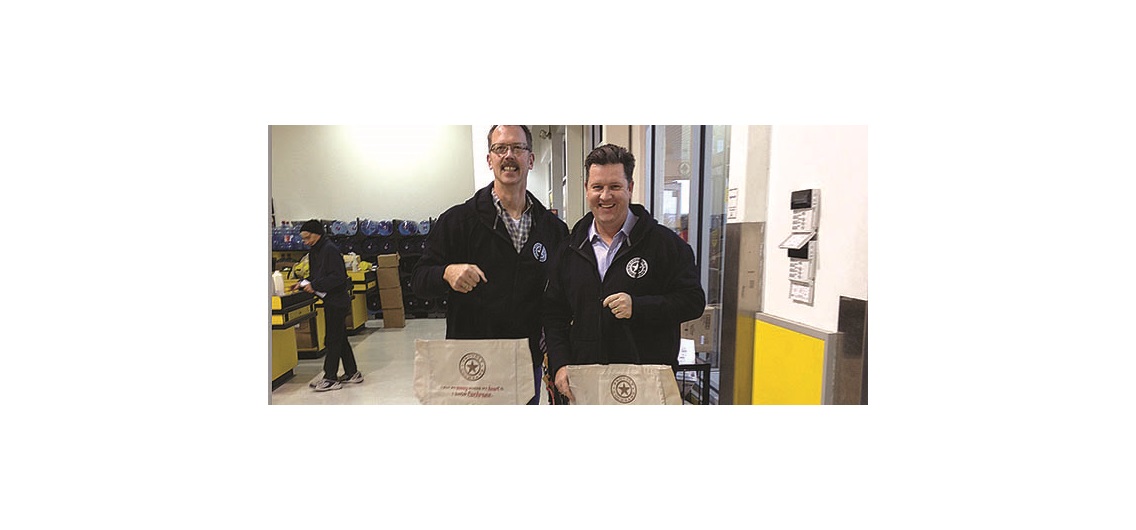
column 623, row 389
column 637, row 268
column 472, row 366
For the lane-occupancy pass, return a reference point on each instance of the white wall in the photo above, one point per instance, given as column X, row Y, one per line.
column 540, row 177
column 638, row 147
column 835, row 160
column 378, row 172
column 575, row 203
column 482, row 175
column 749, row 171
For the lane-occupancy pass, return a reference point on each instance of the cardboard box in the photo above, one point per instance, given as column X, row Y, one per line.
column 394, row 318
column 304, row 339
column 387, row 260
column 388, row 277
column 703, row 330
column 390, row 298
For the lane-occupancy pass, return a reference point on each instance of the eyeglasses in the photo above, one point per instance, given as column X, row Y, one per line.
column 503, row 149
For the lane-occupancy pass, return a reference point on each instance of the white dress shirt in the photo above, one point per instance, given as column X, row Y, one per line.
column 604, row 252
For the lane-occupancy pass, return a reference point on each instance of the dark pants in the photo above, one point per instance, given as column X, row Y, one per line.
column 336, row 343
column 538, row 371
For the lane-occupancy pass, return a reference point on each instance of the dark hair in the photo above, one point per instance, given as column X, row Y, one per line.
column 610, row 154
column 528, row 135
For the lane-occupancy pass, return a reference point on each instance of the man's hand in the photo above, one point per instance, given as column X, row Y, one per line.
column 620, row 305
column 302, row 285
column 463, row 277
column 562, row 382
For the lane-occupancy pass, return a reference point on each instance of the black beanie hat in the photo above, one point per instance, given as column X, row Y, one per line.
column 312, row 226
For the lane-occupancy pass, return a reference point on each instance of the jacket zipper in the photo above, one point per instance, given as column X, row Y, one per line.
column 579, row 249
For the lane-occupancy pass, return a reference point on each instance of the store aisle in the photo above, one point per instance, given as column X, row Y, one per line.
column 386, row 358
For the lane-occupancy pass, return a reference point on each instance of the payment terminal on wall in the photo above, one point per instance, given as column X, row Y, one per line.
column 801, row 245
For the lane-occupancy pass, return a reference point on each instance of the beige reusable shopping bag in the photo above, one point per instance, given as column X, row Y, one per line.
column 623, row 384
column 473, row 372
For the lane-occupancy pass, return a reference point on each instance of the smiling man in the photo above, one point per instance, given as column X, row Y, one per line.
column 622, row 285
column 489, row 255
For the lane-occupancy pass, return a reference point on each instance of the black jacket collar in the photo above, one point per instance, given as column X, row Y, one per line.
column 482, row 203
column 644, row 223
column 321, row 243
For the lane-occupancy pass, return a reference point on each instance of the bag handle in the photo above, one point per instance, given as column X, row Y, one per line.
column 626, row 325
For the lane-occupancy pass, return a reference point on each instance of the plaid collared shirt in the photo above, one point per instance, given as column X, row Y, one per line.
column 518, row 230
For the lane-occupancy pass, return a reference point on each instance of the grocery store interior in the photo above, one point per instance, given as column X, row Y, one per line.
column 776, row 217
column 142, row 164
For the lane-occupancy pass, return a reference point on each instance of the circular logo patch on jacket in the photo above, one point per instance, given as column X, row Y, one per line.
column 623, row 389
column 472, row 366
column 637, row 268
column 539, row 252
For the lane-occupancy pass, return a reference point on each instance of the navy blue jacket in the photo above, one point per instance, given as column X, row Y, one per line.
column 655, row 267
column 508, row 304
column 328, row 274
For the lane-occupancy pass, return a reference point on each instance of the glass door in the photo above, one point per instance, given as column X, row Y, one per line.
column 688, row 169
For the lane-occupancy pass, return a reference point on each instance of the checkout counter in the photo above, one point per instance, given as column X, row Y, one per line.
column 365, row 284
column 311, row 334
column 289, row 312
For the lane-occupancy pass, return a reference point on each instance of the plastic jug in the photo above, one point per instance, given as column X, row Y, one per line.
column 278, row 283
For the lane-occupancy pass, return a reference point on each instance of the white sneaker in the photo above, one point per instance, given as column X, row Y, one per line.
column 328, row 384
column 357, row 378
column 315, row 381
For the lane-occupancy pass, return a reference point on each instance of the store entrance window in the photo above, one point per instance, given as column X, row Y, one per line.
column 688, row 167
column 675, row 155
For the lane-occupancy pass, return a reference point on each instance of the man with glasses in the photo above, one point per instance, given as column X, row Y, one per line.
column 489, row 255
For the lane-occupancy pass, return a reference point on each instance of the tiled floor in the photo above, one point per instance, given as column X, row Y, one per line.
column 386, row 358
